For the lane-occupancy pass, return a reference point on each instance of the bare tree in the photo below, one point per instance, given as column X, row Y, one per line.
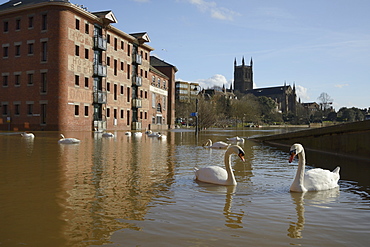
column 325, row 100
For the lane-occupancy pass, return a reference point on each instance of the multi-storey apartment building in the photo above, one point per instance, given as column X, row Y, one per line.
column 65, row 68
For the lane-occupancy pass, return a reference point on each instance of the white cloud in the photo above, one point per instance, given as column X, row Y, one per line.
column 215, row 11
column 216, row 80
column 302, row 93
column 341, row 85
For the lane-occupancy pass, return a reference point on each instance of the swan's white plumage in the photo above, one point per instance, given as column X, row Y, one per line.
column 219, row 175
column 108, row 134
column 236, row 139
column 313, row 180
column 68, row 140
column 216, row 145
column 27, row 135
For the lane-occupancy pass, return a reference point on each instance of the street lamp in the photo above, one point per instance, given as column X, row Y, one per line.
column 196, row 110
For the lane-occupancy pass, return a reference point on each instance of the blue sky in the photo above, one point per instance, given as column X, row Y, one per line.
column 320, row 46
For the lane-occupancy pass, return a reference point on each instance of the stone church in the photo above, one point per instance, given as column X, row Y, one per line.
column 285, row 96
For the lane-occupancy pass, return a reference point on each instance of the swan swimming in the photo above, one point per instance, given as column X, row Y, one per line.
column 216, row 145
column 236, row 139
column 218, row 175
column 68, row 140
column 314, row 179
column 27, row 135
column 128, row 133
column 107, row 134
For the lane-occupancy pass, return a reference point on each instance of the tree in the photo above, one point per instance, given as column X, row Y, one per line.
column 325, row 100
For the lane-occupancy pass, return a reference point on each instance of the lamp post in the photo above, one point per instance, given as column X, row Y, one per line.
column 196, row 110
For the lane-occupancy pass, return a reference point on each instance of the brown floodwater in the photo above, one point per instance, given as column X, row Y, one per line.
column 140, row 191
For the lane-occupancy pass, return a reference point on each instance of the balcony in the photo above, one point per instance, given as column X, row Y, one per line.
column 137, row 59
column 136, row 103
column 100, row 43
column 99, row 97
column 137, row 81
column 136, row 125
column 100, row 70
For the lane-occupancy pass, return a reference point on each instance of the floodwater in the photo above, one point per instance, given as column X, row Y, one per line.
column 132, row 191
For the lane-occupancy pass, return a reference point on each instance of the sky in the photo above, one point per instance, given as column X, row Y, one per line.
column 320, row 46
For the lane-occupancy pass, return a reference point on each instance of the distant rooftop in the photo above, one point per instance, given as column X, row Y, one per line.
column 22, row 3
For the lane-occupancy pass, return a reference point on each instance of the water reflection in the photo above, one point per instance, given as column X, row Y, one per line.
column 318, row 199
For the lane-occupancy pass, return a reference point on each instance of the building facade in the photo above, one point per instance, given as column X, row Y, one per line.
column 65, row 68
column 284, row 96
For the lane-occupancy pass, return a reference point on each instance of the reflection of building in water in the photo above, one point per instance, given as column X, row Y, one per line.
column 109, row 181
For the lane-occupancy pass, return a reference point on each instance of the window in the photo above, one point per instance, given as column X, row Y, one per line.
column 30, row 79
column 43, row 82
column 77, row 110
column 128, row 50
column 115, row 66
column 108, row 112
column 77, row 50
column 17, row 24
column 122, row 89
column 29, row 109
column 122, row 113
column 77, row 80
column 5, row 109
column 44, row 51
column 128, row 94
column 86, row 53
column 44, row 22
column 128, row 71
column 30, row 49
column 77, row 24
column 108, row 61
column 153, row 100
column 16, row 109
column 122, row 45
column 5, row 80
column 43, row 114
column 115, row 44
column 122, row 65
column 108, row 86
column 6, row 26
column 30, row 22
column 115, row 91
column 86, row 111
column 87, row 28
column 5, row 51
column 87, row 82
column 17, row 50
column 108, row 39
column 17, row 79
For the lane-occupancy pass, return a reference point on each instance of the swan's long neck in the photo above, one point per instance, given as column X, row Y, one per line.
column 230, row 174
column 297, row 184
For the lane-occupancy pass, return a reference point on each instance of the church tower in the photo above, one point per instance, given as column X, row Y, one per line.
column 243, row 76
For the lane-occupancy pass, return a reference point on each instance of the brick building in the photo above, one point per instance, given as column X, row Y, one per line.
column 65, row 68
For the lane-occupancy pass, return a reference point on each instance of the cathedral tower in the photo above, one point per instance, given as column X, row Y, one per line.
column 243, row 76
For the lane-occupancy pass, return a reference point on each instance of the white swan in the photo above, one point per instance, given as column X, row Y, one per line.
column 216, row 145
column 236, row 139
column 154, row 134
column 138, row 134
column 314, row 179
column 28, row 135
column 107, row 134
column 128, row 133
column 218, row 175
column 68, row 140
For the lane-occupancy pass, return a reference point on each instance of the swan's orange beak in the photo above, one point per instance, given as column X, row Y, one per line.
column 241, row 156
column 292, row 155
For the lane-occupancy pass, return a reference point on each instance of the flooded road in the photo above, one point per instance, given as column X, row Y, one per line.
column 140, row 191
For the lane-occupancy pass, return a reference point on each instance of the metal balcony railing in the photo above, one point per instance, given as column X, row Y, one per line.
column 100, row 70
column 137, row 59
column 100, row 43
column 136, row 103
column 99, row 97
column 137, row 81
